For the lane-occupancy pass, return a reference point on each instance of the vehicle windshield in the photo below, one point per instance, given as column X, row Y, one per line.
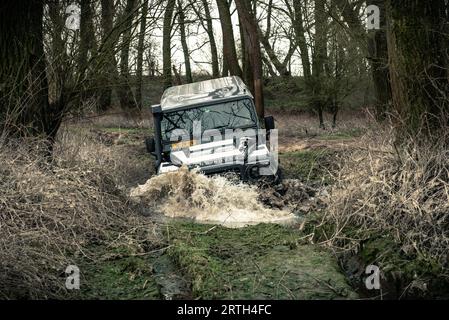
column 227, row 115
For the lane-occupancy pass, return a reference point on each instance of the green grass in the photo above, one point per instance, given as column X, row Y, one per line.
column 296, row 104
column 306, row 165
column 120, row 277
column 258, row 262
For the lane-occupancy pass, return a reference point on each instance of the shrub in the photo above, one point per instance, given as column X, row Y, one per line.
column 399, row 194
column 52, row 214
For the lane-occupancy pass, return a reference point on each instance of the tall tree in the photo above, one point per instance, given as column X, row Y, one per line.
column 281, row 66
column 209, row 28
column 125, row 92
column 108, row 62
column 166, row 43
column 57, row 56
column 350, row 12
column 319, row 58
column 229, row 51
column 213, row 45
column 300, row 32
column 140, row 50
column 417, row 49
column 87, row 50
column 87, row 39
column 185, row 47
column 24, row 104
column 252, row 43
column 247, row 73
column 378, row 57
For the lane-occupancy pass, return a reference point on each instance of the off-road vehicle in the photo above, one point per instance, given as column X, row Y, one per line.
column 213, row 125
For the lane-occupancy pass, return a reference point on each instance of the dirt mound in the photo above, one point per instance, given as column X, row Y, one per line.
column 299, row 197
column 189, row 194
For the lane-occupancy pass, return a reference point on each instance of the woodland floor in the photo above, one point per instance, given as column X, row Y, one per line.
column 265, row 261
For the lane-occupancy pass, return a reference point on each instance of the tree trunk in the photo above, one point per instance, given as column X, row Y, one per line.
column 185, row 47
column 24, row 105
column 166, row 43
column 85, row 38
column 213, row 45
column 125, row 91
column 350, row 12
column 252, row 43
column 229, row 51
column 301, row 39
column 108, row 62
column 87, row 49
column 281, row 67
column 140, row 50
column 378, row 58
column 225, row 69
column 178, row 80
column 58, row 56
column 247, row 72
column 417, row 46
column 319, row 58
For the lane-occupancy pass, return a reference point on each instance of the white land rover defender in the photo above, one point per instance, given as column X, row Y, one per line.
column 212, row 125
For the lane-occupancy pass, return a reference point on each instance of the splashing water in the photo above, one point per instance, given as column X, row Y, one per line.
column 189, row 194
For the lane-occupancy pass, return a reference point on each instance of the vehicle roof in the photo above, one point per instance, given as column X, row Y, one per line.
column 203, row 92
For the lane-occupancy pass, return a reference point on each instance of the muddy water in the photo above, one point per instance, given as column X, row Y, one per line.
column 217, row 200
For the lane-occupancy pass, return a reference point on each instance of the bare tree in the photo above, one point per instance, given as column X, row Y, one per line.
column 300, row 33
column 281, row 66
column 125, row 93
column 108, row 61
column 319, row 58
column 378, row 57
column 140, row 50
column 213, row 45
column 185, row 47
column 166, row 45
column 229, row 51
column 87, row 37
column 252, row 44
column 206, row 23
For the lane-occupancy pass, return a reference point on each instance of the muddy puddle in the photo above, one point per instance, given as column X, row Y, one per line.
column 214, row 200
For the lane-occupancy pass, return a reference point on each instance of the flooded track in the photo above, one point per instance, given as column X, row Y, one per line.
column 212, row 200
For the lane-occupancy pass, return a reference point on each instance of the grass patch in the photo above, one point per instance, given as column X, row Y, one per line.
column 258, row 262
column 288, row 105
column 122, row 276
column 309, row 165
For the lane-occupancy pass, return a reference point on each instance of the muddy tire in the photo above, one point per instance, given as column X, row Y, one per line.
column 267, row 180
column 278, row 177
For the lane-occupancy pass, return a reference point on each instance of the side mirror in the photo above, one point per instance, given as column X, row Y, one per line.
column 150, row 144
column 269, row 123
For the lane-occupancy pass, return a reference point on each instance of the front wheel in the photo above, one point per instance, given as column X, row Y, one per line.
column 252, row 177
